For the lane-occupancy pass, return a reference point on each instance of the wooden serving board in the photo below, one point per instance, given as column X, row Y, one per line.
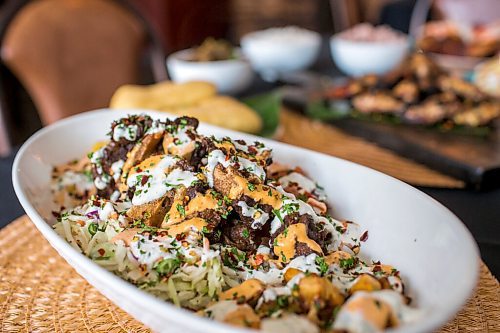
column 473, row 159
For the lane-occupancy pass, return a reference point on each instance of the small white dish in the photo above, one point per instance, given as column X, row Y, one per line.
column 281, row 50
column 436, row 254
column 231, row 76
column 358, row 58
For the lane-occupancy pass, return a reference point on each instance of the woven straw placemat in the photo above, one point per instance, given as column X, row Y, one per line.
column 301, row 131
column 40, row 292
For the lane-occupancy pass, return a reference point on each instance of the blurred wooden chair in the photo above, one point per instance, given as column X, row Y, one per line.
column 71, row 55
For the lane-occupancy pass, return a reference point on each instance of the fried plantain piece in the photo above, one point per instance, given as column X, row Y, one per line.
column 183, row 207
column 249, row 292
column 224, row 182
column 183, row 150
column 140, row 151
column 151, row 213
column 318, row 294
column 294, row 242
column 232, row 313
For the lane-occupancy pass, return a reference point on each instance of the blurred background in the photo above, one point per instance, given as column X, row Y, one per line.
column 407, row 87
column 152, row 30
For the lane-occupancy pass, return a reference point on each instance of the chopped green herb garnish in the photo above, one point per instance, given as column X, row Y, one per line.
column 167, row 266
column 347, row 263
column 181, row 210
column 92, row 228
column 322, row 265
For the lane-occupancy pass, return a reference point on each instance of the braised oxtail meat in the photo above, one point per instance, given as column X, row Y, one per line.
column 418, row 92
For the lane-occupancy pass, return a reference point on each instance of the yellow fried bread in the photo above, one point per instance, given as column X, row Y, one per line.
column 163, row 95
column 196, row 99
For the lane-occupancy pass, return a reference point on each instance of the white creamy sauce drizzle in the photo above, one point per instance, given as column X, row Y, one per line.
column 290, row 206
column 252, row 167
column 157, row 127
column 290, row 323
column 97, row 156
column 346, row 240
column 220, row 310
column 117, row 169
column 274, row 276
column 115, row 196
column 396, row 301
column 305, row 263
column 146, row 252
column 294, row 177
column 106, row 211
column 344, row 281
column 216, row 157
column 258, row 215
column 353, row 320
column 158, row 182
column 101, row 182
column 128, row 132
column 100, row 212
column 395, row 283
column 305, row 184
column 271, row 293
column 258, row 147
column 81, row 181
column 182, row 139
column 264, row 250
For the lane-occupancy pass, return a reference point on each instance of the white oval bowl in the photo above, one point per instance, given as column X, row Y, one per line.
column 230, row 76
column 356, row 58
column 277, row 56
column 435, row 253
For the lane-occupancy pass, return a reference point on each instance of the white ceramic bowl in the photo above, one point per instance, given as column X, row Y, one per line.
column 275, row 55
column 357, row 58
column 230, row 76
column 436, row 254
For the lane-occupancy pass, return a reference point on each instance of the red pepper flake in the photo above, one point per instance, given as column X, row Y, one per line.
column 364, row 236
column 144, row 180
column 101, row 252
column 377, row 268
